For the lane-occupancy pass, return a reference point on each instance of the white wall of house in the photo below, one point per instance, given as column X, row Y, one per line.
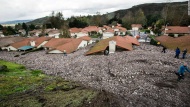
column 37, row 33
column 107, row 35
column 32, row 43
column 54, row 35
column 116, row 30
column 83, row 44
column 73, row 34
column 135, row 28
column 42, row 44
column 81, row 34
column 11, row 48
column 55, row 51
column 90, row 42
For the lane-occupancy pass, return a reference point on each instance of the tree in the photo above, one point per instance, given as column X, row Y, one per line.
column 140, row 17
column 18, row 26
column 78, row 22
column 25, row 27
column 56, row 20
column 9, row 31
column 1, row 27
column 32, row 27
column 65, row 32
column 127, row 20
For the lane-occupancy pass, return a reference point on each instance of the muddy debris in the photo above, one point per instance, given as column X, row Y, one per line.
column 142, row 77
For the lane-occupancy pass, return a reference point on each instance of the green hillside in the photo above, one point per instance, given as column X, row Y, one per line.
column 174, row 13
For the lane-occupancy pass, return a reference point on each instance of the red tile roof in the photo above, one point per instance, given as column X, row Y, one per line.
column 163, row 38
column 103, row 44
column 178, row 30
column 109, row 30
column 91, row 28
column 40, row 40
column 25, row 42
column 75, row 30
column 54, row 42
column 133, row 40
column 70, row 46
column 9, row 40
column 86, row 38
column 136, row 25
column 120, row 28
column 183, row 42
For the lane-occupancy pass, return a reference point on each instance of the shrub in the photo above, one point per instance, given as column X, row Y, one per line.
column 3, row 68
column 153, row 42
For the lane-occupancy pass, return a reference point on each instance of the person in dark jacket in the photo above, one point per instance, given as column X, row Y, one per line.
column 184, row 53
column 181, row 70
column 177, row 52
column 164, row 49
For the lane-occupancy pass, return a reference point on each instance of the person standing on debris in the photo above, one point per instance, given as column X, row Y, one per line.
column 177, row 52
column 164, row 49
column 184, row 53
column 181, row 70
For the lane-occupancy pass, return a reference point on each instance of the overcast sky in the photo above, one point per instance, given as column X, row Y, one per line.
column 32, row 9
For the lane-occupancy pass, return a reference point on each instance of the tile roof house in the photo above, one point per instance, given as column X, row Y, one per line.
column 78, row 32
column 22, row 32
column 105, row 27
column 120, row 30
column 176, row 30
column 15, row 46
column 183, row 42
column 41, row 41
column 108, row 33
column 87, row 38
column 35, row 32
column 68, row 47
column 54, row 42
column 136, row 26
column 133, row 40
column 5, row 41
column 54, row 33
column 121, row 43
column 91, row 28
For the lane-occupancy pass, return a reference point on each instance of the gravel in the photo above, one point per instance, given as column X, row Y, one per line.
column 142, row 77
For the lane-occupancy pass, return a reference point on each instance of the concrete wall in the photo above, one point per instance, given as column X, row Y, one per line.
column 55, row 51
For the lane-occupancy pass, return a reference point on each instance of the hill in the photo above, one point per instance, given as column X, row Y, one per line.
column 15, row 21
column 146, row 14
column 150, row 8
column 39, row 21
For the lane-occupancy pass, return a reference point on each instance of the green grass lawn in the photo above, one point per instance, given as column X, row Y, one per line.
column 32, row 88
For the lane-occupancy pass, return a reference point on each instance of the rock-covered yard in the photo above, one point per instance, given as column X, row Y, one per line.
column 142, row 77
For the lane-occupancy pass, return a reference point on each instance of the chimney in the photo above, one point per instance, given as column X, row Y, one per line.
column 112, row 46
column 32, row 43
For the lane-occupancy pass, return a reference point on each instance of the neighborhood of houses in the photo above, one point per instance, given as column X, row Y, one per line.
column 113, row 38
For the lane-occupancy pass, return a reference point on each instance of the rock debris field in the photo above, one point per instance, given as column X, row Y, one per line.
column 142, row 77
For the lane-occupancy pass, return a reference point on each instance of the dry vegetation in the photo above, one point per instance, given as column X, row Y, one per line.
column 143, row 77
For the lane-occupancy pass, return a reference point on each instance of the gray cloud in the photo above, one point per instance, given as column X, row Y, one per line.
column 32, row 9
